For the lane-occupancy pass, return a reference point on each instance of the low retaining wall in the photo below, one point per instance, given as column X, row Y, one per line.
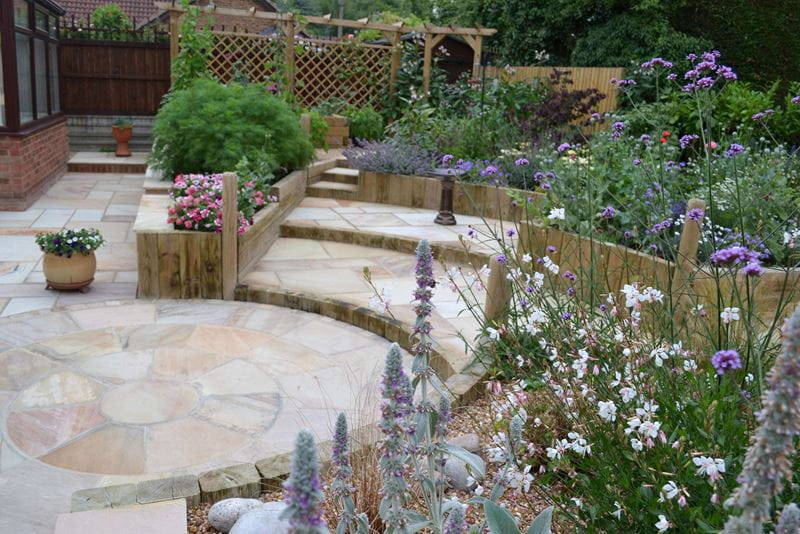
column 185, row 264
column 612, row 266
column 425, row 192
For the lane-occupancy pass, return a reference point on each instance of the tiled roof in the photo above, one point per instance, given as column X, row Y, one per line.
column 141, row 10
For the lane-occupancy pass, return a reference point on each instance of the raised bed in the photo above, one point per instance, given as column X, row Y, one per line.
column 612, row 266
column 425, row 192
column 189, row 264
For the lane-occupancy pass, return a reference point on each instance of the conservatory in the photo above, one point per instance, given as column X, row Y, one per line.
column 34, row 147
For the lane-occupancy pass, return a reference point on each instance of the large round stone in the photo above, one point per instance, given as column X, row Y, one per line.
column 148, row 401
column 224, row 514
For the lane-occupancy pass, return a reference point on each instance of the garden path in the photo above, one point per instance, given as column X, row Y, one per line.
column 117, row 392
column 105, row 201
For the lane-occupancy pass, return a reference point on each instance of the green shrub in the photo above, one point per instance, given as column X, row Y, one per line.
column 365, row 123
column 110, row 17
column 319, row 129
column 210, row 127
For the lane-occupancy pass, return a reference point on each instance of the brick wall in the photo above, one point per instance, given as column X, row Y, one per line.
column 30, row 164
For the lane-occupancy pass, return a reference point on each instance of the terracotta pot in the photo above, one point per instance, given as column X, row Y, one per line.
column 122, row 135
column 75, row 272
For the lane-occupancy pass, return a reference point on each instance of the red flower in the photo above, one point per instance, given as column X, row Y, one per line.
column 663, row 139
column 665, row 133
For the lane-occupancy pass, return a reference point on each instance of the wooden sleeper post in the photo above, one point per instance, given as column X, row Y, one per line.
column 230, row 234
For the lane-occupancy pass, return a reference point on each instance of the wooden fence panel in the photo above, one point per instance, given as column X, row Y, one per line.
column 582, row 78
column 113, row 77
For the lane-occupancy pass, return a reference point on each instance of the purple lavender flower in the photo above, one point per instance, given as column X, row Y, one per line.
column 303, row 490
column 734, row 150
column 490, row 170
column 734, row 255
column 696, row 214
column 608, row 212
column 753, row 269
column 522, row 162
column 726, row 360
column 762, row 115
column 657, row 62
column 501, row 258
column 687, row 140
column 563, row 147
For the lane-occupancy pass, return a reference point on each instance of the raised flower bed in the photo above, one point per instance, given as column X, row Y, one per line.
column 183, row 263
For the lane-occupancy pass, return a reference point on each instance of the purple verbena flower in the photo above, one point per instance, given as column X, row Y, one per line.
column 657, row 62
column 447, row 158
column 762, row 115
column 796, row 100
column 490, row 170
column 672, row 76
column 569, row 275
column 753, row 269
column 636, row 162
column 646, row 139
column 696, row 214
column 687, row 140
column 511, row 232
column 734, row 150
column 522, row 162
column 501, row 258
column 608, row 212
column 563, row 147
column 726, row 360
column 734, row 255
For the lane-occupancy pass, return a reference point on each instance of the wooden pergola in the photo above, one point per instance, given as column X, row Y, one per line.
column 289, row 24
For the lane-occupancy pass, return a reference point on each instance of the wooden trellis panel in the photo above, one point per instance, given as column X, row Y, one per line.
column 355, row 72
column 324, row 70
column 255, row 55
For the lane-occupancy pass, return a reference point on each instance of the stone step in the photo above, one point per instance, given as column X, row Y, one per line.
column 337, row 190
column 341, row 175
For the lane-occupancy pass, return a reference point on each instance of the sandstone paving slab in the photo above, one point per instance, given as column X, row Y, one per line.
column 158, row 518
column 104, row 394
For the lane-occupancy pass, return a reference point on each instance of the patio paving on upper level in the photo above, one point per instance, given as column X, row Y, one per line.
column 108, row 202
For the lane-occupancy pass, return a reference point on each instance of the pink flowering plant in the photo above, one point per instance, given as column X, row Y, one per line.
column 197, row 202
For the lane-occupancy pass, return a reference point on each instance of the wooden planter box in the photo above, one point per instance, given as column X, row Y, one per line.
column 613, row 266
column 184, row 264
column 424, row 192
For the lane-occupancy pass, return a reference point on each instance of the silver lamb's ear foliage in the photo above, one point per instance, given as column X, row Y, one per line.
column 396, row 425
column 769, row 459
column 456, row 523
column 790, row 520
column 443, row 419
column 303, row 496
column 342, row 486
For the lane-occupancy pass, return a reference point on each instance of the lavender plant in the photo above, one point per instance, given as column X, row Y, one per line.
column 768, row 463
column 350, row 521
column 303, row 490
column 394, row 157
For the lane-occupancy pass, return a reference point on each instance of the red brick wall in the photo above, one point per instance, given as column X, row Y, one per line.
column 30, row 164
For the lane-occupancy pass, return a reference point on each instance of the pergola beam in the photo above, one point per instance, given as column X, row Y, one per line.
column 346, row 23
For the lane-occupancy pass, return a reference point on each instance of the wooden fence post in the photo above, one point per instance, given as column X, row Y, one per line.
column 174, row 43
column 230, row 234
column 431, row 40
column 498, row 293
column 289, row 55
column 686, row 262
column 395, row 63
column 476, row 56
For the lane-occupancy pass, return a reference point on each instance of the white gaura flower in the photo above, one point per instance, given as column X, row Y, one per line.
column 558, row 449
column 578, row 502
column 556, row 214
column 607, row 410
column 710, row 467
column 669, row 491
column 549, row 265
column 690, row 366
column 729, row 315
column 627, row 394
column 659, row 354
column 527, row 258
column 631, row 293
column 494, row 334
column 636, row 444
column 649, row 429
column 618, row 511
column 537, row 316
column 485, row 271
column 579, row 444
column 662, row 525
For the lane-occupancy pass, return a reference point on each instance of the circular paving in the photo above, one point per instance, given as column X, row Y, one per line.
column 138, row 388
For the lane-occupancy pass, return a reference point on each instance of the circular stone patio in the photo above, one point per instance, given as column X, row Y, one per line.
column 141, row 388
